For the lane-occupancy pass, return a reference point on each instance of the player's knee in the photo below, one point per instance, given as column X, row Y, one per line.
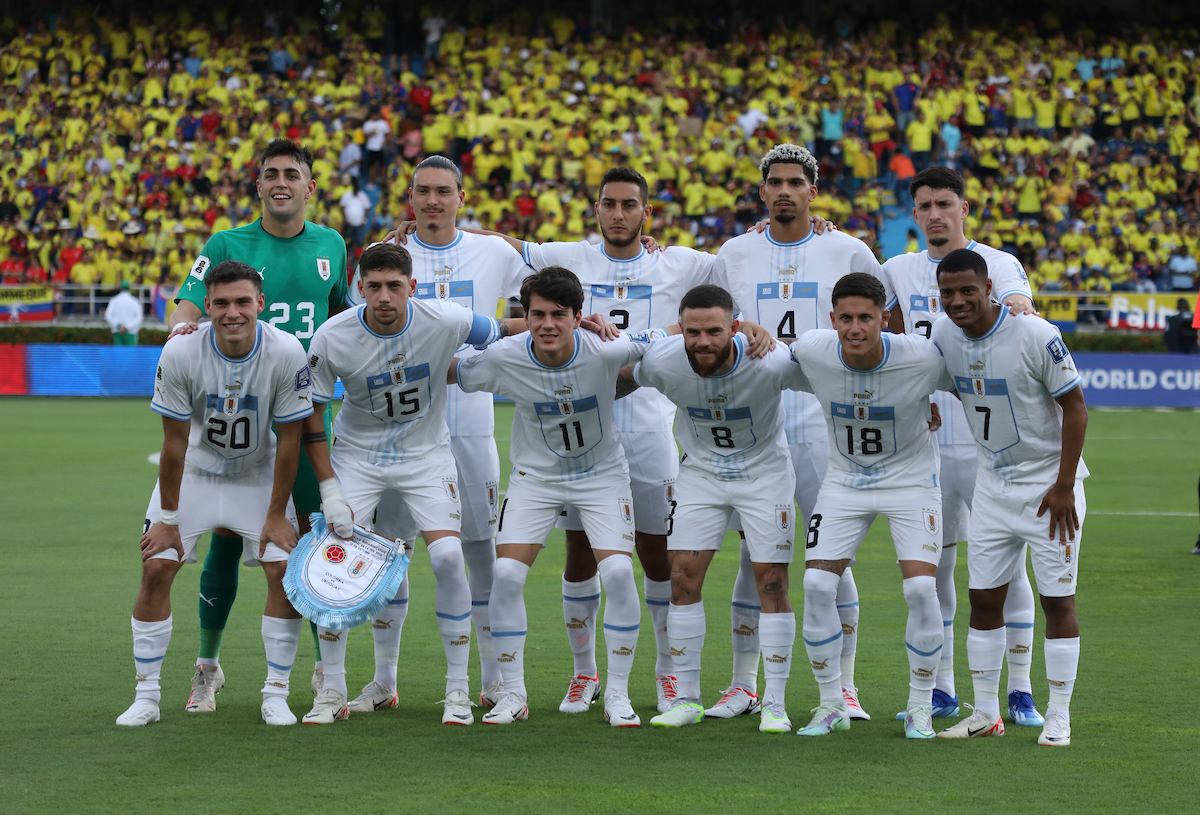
column 919, row 590
column 446, row 559
column 820, row 587
column 158, row 574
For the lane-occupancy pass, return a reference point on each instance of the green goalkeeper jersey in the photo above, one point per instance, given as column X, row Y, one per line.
column 303, row 277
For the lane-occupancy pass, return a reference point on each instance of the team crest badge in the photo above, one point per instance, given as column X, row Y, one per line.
column 451, row 488
column 787, row 283
column 670, row 492
column 977, row 384
column 784, row 518
column 324, row 269
column 441, row 283
column 934, row 300
column 563, row 395
column 335, row 553
column 930, row 518
column 717, row 406
column 396, row 369
column 625, row 508
column 621, row 291
column 232, row 392
column 862, row 406
column 359, row 566
column 493, row 497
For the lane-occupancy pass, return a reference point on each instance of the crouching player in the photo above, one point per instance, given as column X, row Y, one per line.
column 874, row 389
column 218, row 390
column 730, row 426
column 1024, row 402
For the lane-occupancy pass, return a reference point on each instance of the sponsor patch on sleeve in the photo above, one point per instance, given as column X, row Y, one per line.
column 314, row 363
column 1058, row 349
column 200, row 267
column 303, row 379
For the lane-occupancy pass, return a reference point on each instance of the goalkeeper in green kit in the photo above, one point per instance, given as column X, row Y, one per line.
column 303, row 267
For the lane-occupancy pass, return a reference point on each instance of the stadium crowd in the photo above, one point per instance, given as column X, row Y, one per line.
column 125, row 143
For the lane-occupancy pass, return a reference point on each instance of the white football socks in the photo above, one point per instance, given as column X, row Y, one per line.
column 686, row 627
column 333, row 657
column 452, row 607
column 948, row 602
column 386, row 628
column 847, row 611
column 985, row 657
column 778, row 636
column 1018, row 627
column 745, row 609
column 581, row 610
column 1062, row 666
column 622, row 619
column 281, row 638
column 481, row 558
column 150, row 641
column 658, row 601
column 922, row 637
column 823, row 631
column 509, row 623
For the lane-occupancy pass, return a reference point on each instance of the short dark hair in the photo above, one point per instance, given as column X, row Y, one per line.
column 860, row 284
column 385, row 256
column 626, row 175
column 938, row 178
column 556, row 284
column 289, row 148
column 707, row 296
column 963, row 260
column 788, row 153
column 439, row 163
column 231, row 271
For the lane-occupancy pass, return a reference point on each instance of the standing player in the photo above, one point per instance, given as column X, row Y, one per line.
column 940, row 208
column 1024, row 402
column 303, row 268
column 391, row 435
column 218, row 390
column 476, row 272
column 565, row 453
column 874, row 389
column 730, row 427
column 783, row 278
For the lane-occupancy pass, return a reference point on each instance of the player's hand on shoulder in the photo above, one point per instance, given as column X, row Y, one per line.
column 279, row 531
column 181, row 329
column 935, row 420
column 651, row 245
column 400, row 234
column 159, row 538
column 762, row 342
column 820, row 225
column 599, row 324
column 1020, row 304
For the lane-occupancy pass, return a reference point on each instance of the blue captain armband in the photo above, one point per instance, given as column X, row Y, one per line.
column 484, row 331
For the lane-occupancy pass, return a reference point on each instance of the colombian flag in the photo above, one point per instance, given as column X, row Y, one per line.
column 26, row 304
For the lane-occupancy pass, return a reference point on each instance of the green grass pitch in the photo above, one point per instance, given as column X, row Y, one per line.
column 75, row 480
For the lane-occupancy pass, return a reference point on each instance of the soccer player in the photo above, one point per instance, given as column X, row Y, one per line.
column 565, row 453
column 218, row 389
column 783, row 278
column 730, row 427
column 303, row 268
column 940, row 209
column 1024, row 402
column 476, row 272
column 391, row 355
column 874, row 391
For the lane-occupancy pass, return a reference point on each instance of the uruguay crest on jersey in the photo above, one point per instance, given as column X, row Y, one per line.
column 787, row 283
column 441, row 283
column 324, row 268
column 395, row 367
column 931, row 521
column 784, row 519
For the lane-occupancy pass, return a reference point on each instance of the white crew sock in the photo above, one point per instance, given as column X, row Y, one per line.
column 948, row 603
column 658, row 601
column 281, row 638
column 1062, row 666
column 823, row 631
column 778, row 637
column 581, row 609
column 386, row 628
column 509, row 623
column 333, row 657
column 847, row 610
column 985, row 656
column 622, row 619
column 744, row 614
column 481, row 558
column 686, row 626
column 150, row 641
column 922, row 637
column 1018, row 628
column 452, row 607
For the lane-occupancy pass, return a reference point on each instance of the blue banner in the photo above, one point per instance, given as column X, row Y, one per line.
column 1140, row 380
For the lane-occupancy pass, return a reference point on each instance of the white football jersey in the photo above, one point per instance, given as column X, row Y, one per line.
column 475, row 272
column 912, row 278
column 563, row 429
column 1008, row 380
column 637, row 294
column 232, row 402
column 394, row 408
column 786, row 288
column 730, row 427
column 878, row 420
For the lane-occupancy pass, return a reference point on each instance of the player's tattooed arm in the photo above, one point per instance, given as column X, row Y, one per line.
column 316, row 443
column 625, row 382
column 511, row 326
column 164, row 535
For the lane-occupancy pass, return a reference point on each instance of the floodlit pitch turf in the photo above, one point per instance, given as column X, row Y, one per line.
column 75, row 481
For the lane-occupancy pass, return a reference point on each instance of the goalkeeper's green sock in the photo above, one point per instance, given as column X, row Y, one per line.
column 316, row 642
column 218, row 590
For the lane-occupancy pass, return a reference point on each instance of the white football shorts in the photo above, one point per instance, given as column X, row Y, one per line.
column 428, row 488
column 843, row 515
column 960, row 462
column 653, row 467
column 704, row 505
column 531, row 507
